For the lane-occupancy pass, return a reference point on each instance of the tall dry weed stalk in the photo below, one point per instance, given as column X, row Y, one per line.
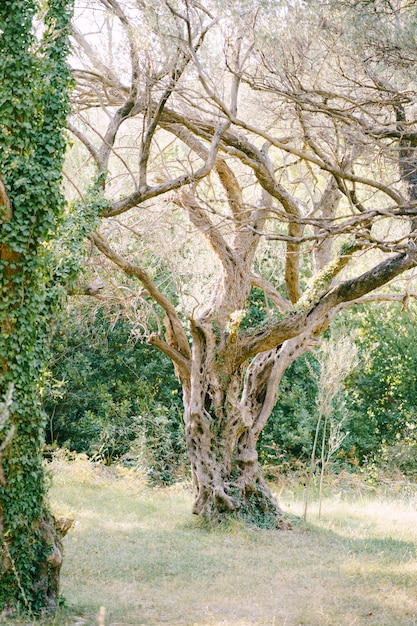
column 101, row 617
column 336, row 358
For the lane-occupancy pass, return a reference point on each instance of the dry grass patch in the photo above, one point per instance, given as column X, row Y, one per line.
column 141, row 554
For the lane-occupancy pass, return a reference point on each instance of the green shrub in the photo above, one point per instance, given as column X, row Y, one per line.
column 106, row 392
column 379, row 396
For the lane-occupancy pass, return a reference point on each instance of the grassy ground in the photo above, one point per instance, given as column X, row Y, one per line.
column 138, row 557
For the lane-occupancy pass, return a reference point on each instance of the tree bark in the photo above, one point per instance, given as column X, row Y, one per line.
column 225, row 412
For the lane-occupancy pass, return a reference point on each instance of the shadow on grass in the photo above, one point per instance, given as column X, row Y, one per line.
column 198, row 575
column 142, row 555
column 191, row 573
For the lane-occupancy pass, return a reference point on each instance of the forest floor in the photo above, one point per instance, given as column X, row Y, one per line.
column 136, row 556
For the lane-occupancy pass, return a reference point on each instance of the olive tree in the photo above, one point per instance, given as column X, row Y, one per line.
column 287, row 140
column 33, row 107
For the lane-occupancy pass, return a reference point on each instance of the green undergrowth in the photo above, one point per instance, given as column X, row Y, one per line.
column 137, row 556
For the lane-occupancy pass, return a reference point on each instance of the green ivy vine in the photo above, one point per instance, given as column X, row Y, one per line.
column 35, row 79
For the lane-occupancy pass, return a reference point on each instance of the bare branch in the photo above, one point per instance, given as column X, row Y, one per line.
column 88, row 144
column 133, row 270
column 140, row 196
column 201, row 220
column 182, row 364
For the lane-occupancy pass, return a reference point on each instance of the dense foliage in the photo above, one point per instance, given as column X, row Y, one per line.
column 118, row 400
column 377, row 401
column 113, row 397
column 381, row 395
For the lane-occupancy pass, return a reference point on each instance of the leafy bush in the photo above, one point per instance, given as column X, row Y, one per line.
column 106, row 392
column 379, row 396
column 289, row 432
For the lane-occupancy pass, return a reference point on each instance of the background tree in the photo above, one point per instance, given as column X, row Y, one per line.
column 33, row 108
column 294, row 134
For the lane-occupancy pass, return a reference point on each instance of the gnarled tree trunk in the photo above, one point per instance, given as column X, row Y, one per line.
column 226, row 409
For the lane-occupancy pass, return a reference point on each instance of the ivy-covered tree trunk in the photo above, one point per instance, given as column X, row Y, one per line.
column 33, row 108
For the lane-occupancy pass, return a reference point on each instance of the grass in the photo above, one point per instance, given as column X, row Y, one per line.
column 138, row 557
